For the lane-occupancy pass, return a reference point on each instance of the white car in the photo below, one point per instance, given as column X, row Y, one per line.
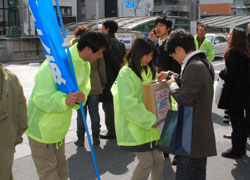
column 219, row 42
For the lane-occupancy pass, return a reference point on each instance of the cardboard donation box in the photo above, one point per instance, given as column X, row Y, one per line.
column 156, row 98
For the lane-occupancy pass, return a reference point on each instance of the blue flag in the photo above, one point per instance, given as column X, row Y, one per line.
column 51, row 38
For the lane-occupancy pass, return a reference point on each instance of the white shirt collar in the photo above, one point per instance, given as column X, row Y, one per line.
column 161, row 41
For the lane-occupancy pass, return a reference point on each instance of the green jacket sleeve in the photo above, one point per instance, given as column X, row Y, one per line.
column 209, row 51
column 131, row 106
column 45, row 94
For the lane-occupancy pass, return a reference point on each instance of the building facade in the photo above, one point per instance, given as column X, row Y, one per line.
column 185, row 8
column 224, row 7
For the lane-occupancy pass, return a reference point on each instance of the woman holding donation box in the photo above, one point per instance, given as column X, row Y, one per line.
column 135, row 126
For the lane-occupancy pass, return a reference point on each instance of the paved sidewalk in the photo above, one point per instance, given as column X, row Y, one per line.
column 114, row 163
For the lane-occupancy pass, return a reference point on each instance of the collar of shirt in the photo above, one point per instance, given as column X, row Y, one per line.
column 161, row 41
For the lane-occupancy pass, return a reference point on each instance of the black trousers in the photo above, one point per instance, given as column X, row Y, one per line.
column 108, row 108
column 239, row 126
column 191, row 168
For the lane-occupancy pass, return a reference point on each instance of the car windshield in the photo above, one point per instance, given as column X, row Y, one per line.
column 210, row 38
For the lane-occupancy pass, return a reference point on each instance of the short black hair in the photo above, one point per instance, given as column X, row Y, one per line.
column 93, row 40
column 181, row 38
column 164, row 20
column 112, row 25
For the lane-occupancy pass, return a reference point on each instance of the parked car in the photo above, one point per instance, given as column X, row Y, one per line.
column 219, row 42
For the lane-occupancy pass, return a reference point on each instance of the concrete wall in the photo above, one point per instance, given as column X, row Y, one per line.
column 90, row 9
column 21, row 49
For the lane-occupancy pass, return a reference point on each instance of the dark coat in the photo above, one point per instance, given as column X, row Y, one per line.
column 236, row 90
column 113, row 58
column 163, row 61
column 196, row 90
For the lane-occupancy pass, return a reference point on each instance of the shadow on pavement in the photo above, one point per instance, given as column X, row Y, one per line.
column 241, row 170
column 111, row 161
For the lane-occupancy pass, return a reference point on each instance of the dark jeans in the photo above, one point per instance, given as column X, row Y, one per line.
column 92, row 104
column 239, row 134
column 108, row 108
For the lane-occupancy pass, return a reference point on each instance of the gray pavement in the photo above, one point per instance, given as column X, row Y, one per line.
column 114, row 163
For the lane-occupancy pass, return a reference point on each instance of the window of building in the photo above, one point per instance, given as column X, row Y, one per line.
column 65, row 11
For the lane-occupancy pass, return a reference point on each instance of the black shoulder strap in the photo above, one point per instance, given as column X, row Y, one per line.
column 207, row 64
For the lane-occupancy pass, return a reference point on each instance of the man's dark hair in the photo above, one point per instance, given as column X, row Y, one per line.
column 93, row 40
column 164, row 20
column 201, row 25
column 112, row 25
column 181, row 38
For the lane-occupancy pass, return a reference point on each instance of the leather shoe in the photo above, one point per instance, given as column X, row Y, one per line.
column 227, row 136
column 108, row 136
column 79, row 143
column 96, row 141
column 231, row 154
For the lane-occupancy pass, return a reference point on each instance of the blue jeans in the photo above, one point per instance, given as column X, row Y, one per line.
column 92, row 104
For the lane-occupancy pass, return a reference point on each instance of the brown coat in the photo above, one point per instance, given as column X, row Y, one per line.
column 98, row 76
column 13, row 110
column 197, row 91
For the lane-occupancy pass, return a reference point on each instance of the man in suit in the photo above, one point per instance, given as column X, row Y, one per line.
column 194, row 88
column 159, row 35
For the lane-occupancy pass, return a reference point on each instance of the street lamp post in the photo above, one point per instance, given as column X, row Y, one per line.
column 97, row 14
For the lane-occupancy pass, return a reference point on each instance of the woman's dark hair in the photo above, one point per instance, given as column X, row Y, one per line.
column 93, row 40
column 238, row 41
column 181, row 38
column 140, row 47
column 81, row 30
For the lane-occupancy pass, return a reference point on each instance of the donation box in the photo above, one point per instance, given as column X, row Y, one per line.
column 156, row 98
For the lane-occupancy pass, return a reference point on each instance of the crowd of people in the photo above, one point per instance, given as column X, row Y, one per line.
column 106, row 73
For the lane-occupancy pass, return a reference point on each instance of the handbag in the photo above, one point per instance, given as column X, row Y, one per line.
column 176, row 137
column 218, row 90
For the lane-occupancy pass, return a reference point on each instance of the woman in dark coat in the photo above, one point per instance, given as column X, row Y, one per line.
column 237, row 90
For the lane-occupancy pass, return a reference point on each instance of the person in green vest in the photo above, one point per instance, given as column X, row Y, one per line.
column 50, row 110
column 135, row 126
column 202, row 43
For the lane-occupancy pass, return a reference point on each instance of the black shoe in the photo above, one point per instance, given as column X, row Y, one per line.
column 244, row 152
column 79, row 143
column 226, row 121
column 231, row 154
column 108, row 136
column 96, row 141
column 227, row 136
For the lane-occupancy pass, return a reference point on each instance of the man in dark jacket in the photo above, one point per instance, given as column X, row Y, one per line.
column 195, row 89
column 113, row 58
column 163, row 61
column 13, row 120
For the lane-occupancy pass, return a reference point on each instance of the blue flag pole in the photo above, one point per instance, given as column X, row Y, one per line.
column 81, row 106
